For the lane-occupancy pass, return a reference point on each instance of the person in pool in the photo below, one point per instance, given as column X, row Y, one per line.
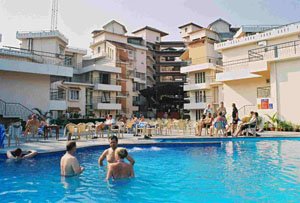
column 120, row 169
column 69, row 165
column 109, row 154
column 19, row 154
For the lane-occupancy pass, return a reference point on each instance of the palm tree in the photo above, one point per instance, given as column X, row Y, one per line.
column 43, row 115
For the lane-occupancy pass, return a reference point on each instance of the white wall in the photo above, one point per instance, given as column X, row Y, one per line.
column 288, row 75
column 31, row 90
column 149, row 36
column 114, row 28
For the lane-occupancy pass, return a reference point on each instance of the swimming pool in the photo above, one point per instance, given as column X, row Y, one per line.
column 260, row 170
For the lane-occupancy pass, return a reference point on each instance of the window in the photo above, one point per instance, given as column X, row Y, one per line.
column 99, row 49
column 74, row 95
column 105, row 98
column 61, row 49
column 200, row 96
column 200, row 77
column 199, row 114
column 157, row 38
column 185, row 29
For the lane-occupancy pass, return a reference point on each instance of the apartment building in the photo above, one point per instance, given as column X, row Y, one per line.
column 30, row 72
column 164, row 91
column 262, row 71
column 114, row 48
column 203, row 63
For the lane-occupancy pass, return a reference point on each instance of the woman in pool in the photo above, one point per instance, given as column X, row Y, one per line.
column 19, row 154
column 120, row 169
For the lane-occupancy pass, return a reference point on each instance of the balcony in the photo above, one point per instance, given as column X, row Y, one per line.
column 196, row 86
column 106, row 85
column 57, row 100
column 258, row 60
column 123, row 94
column 200, row 103
column 278, row 32
column 200, row 64
column 106, row 103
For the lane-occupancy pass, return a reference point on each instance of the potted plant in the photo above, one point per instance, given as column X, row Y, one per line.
column 297, row 128
column 274, row 121
column 267, row 126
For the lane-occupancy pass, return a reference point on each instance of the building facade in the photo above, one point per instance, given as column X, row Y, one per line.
column 203, row 63
column 262, row 70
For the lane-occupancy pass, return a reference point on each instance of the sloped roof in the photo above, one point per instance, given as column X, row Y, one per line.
column 121, row 45
column 220, row 19
column 162, row 34
column 191, row 23
column 113, row 21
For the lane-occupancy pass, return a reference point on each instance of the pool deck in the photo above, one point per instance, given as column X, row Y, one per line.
column 52, row 145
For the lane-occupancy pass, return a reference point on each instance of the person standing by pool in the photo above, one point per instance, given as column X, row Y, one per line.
column 235, row 118
column 109, row 153
column 120, row 169
column 222, row 109
column 69, row 164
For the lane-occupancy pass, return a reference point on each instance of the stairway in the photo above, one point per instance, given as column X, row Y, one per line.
column 9, row 110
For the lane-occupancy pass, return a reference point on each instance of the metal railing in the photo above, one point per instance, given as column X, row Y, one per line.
column 203, row 99
column 201, row 60
column 123, row 94
column 264, row 92
column 9, row 109
column 106, row 100
column 287, row 49
column 40, row 56
column 56, row 94
column 105, row 81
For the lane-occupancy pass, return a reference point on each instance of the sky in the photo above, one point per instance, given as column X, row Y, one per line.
column 78, row 18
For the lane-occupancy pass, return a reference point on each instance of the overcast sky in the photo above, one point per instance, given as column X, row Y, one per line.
column 78, row 18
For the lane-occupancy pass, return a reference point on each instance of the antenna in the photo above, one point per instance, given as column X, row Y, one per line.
column 54, row 15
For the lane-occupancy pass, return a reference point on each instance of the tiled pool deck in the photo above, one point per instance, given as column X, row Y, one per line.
column 52, row 145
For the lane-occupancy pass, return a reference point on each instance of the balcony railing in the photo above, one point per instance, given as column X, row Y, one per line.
column 40, row 56
column 105, row 81
column 106, row 100
column 282, row 50
column 200, row 60
column 56, row 94
column 203, row 99
column 264, row 92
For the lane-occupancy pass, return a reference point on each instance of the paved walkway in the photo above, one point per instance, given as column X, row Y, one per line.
column 52, row 145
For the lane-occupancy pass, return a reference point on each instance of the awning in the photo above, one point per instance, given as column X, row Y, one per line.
column 74, row 88
column 74, row 109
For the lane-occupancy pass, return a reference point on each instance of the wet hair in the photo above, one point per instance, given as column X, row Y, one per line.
column 71, row 145
column 17, row 152
column 256, row 114
column 113, row 137
column 203, row 116
column 220, row 114
column 122, row 152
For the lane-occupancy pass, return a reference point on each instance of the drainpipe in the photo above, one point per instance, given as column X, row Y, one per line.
column 277, row 90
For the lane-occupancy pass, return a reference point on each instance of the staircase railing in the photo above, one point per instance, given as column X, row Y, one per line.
column 9, row 109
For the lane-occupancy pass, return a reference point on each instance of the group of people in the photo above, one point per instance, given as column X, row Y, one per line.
column 217, row 120
column 115, row 156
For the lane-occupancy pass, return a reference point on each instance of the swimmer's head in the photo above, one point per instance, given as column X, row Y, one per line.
column 121, row 152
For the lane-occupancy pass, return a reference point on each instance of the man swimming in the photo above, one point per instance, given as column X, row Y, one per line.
column 120, row 169
column 69, row 165
column 109, row 154
column 19, row 154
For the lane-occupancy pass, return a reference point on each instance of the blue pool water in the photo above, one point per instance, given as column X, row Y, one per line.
column 256, row 170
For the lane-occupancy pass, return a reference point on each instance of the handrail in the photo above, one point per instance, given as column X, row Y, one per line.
column 6, row 106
